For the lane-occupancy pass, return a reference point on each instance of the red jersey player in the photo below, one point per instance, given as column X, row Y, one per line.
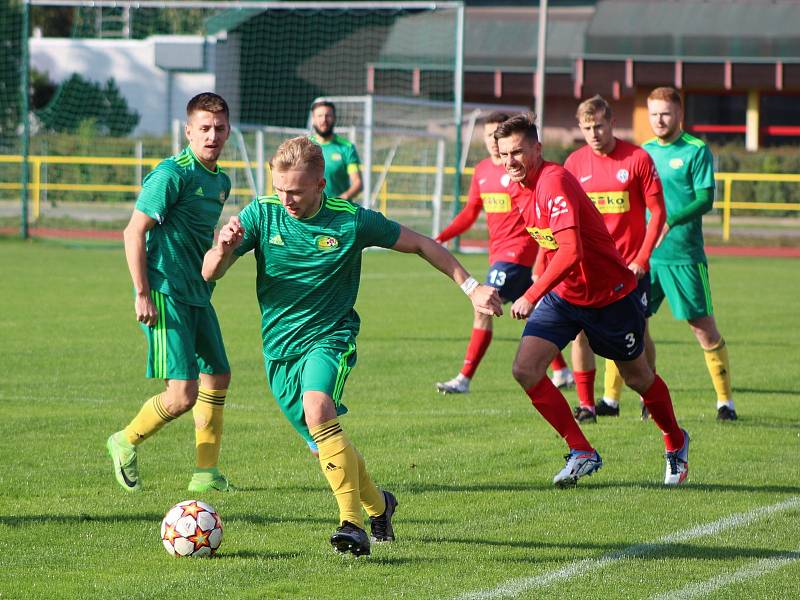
column 622, row 182
column 511, row 249
column 585, row 286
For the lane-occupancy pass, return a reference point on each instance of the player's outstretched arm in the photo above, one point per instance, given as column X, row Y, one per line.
column 135, row 236
column 218, row 260
column 484, row 298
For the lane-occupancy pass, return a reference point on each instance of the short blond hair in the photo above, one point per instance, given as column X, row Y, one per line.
column 299, row 153
column 667, row 94
column 594, row 107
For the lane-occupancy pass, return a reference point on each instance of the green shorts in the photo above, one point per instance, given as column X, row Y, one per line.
column 323, row 368
column 685, row 287
column 185, row 341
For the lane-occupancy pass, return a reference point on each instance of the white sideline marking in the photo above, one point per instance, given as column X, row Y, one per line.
column 750, row 571
column 515, row 587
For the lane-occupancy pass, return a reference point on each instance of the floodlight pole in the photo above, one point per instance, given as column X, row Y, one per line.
column 541, row 51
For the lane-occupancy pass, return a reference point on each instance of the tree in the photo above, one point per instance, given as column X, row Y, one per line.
column 10, row 64
column 78, row 100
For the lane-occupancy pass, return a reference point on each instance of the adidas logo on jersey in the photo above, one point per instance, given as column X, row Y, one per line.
column 199, row 192
column 276, row 240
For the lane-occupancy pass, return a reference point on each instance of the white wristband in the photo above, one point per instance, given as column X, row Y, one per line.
column 469, row 285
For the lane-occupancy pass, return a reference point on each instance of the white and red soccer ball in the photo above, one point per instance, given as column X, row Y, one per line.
column 191, row 528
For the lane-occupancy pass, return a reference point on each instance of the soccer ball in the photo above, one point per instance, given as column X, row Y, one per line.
column 191, row 528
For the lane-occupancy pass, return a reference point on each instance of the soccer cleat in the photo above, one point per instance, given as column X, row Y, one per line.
column 579, row 463
column 678, row 463
column 604, row 409
column 350, row 538
column 126, row 469
column 381, row 526
column 457, row 385
column 563, row 378
column 725, row 413
column 584, row 415
column 206, row 482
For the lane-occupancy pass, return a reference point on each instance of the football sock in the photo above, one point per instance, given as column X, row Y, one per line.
column 584, row 385
column 552, row 405
column 659, row 404
column 339, row 462
column 151, row 417
column 612, row 383
column 478, row 343
column 372, row 498
column 720, row 370
column 207, row 413
column 558, row 362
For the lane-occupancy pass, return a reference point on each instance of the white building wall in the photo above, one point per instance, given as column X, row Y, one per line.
column 132, row 65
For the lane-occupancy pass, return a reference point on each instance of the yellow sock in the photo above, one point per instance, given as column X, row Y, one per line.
column 720, row 370
column 340, row 465
column 371, row 497
column 207, row 414
column 152, row 417
column 612, row 382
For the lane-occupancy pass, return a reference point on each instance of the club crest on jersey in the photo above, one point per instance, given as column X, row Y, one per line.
column 623, row 175
column 676, row 163
column 326, row 243
column 505, row 180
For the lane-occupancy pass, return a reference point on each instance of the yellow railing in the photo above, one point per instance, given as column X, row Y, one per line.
column 727, row 203
column 36, row 186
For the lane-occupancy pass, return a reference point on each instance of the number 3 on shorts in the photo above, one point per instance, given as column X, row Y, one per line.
column 630, row 340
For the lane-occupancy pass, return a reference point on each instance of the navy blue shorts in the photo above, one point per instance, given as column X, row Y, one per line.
column 615, row 331
column 510, row 279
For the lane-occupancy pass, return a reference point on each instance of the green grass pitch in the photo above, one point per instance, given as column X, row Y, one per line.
column 478, row 516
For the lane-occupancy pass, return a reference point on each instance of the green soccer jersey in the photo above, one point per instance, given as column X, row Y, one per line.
column 309, row 270
column 684, row 166
column 341, row 160
column 185, row 199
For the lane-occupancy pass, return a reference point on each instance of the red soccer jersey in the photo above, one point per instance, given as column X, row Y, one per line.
column 618, row 184
column 508, row 240
column 555, row 201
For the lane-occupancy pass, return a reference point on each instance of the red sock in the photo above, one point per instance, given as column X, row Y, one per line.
column 478, row 343
column 659, row 404
column 552, row 405
column 558, row 363
column 584, row 385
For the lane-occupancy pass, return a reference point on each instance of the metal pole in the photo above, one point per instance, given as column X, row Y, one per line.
column 366, row 175
column 139, row 153
column 259, row 162
column 458, row 109
column 437, row 189
column 541, row 51
column 26, row 126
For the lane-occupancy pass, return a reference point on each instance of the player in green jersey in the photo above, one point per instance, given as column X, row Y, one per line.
column 679, row 268
column 342, row 165
column 171, row 229
column 308, row 250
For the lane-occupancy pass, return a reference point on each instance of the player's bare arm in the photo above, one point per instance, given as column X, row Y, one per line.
column 567, row 256
column 218, row 260
column 485, row 299
column 135, row 236
column 355, row 186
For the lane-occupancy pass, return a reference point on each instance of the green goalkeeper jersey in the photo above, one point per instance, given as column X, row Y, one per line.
column 185, row 199
column 684, row 166
column 309, row 270
column 341, row 160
